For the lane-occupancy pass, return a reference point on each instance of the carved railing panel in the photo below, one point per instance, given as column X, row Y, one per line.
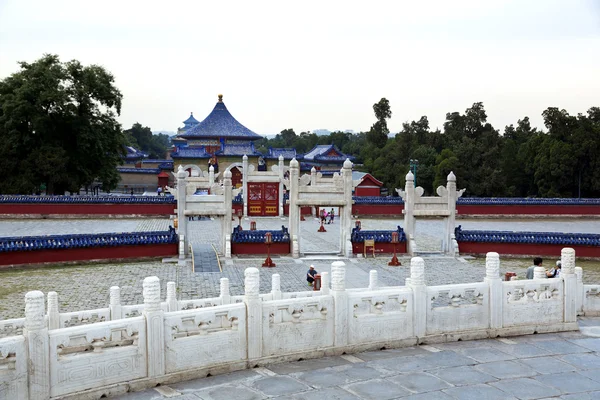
column 532, row 302
column 297, row 325
column 591, row 298
column 11, row 327
column 203, row 337
column 13, row 368
column 97, row 355
column 462, row 307
column 380, row 315
column 78, row 318
column 199, row 303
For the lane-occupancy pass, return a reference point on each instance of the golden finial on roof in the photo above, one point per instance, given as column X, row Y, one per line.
column 220, row 98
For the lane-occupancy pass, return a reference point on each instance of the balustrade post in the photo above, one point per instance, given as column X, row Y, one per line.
column 224, row 291
column 53, row 313
column 172, row 295
column 254, row 312
column 567, row 256
column 373, row 284
column 340, row 300
column 36, row 335
column 539, row 273
column 181, row 206
column 276, row 286
column 115, row 303
column 580, row 293
column 417, row 283
column 155, row 336
column 324, row 283
column 492, row 278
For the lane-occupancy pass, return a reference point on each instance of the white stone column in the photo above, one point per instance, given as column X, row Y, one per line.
column 245, row 183
column 181, row 206
column 492, row 278
column 224, row 291
column 211, row 176
column 313, row 177
column 115, row 303
column 281, row 187
column 567, row 256
column 53, row 313
column 417, row 283
column 226, row 226
column 155, row 334
column 324, row 283
column 580, row 292
column 373, row 284
column 294, row 224
column 254, row 312
column 451, row 220
column 36, row 335
column 276, row 287
column 340, row 299
column 346, row 211
column 172, row 304
column 539, row 273
column 409, row 205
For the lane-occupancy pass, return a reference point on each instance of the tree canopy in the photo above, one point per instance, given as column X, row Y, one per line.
column 141, row 138
column 58, row 127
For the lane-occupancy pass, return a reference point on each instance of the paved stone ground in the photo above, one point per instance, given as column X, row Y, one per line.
column 87, row 286
column 560, row 366
column 204, row 258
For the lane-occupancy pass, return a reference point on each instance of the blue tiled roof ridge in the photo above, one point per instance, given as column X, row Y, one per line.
column 559, row 238
column 24, row 199
column 526, row 200
column 359, row 235
column 33, row 243
column 138, row 170
column 245, row 236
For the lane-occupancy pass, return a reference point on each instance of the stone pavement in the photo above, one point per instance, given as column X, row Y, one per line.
column 559, row 366
column 204, row 258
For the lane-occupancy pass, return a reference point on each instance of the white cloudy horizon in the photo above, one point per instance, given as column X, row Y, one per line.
column 321, row 64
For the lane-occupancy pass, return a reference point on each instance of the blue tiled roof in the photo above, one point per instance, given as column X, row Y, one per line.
column 524, row 201
column 318, row 153
column 191, row 120
column 133, row 153
column 124, row 170
column 229, row 149
column 27, row 199
column 190, row 152
column 166, row 165
column 155, row 161
column 245, row 236
column 359, row 235
column 564, row 239
column 287, row 154
column 220, row 123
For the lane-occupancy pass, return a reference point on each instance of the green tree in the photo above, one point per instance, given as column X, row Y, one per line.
column 378, row 134
column 58, row 127
column 141, row 138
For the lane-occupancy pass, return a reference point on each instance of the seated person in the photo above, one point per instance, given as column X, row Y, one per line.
column 310, row 275
column 555, row 273
column 537, row 262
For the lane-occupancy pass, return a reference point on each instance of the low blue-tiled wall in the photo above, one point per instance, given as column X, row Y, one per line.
column 34, row 243
column 524, row 201
column 566, row 239
column 242, row 236
column 379, row 236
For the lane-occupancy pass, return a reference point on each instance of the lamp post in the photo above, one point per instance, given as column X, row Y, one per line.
column 268, row 241
column 240, row 214
column 414, row 164
column 394, row 262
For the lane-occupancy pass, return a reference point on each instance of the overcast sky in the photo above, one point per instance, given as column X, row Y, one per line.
column 321, row 64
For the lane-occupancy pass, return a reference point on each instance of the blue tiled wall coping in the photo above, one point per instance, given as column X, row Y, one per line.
column 240, row 236
column 33, row 243
column 17, row 199
column 379, row 236
column 570, row 239
column 525, row 201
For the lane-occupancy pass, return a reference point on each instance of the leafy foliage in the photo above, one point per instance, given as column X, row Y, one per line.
column 141, row 138
column 58, row 127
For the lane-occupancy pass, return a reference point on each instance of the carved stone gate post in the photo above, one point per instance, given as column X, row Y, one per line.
column 492, row 277
column 181, row 206
column 245, row 183
column 155, row 327
column 294, row 210
column 346, row 211
column 567, row 257
column 36, row 334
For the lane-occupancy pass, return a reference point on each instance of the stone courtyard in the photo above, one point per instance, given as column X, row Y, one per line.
column 87, row 286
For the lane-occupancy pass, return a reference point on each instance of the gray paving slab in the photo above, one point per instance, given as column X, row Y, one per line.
column 377, row 389
column 216, row 380
column 588, row 343
column 279, row 386
column 582, row 396
column 557, row 347
column 228, row 392
column 333, row 393
column 582, row 361
column 526, row 388
column 507, row 369
column 484, row 355
column 419, row 382
column 569, row 382
column 522, row 350
column 547, row 365
column 478, row 392
column 429, row 396
column 307, row 365
column 463, row 376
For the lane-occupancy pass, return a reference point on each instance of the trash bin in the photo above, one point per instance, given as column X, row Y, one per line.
column 317, row 282
column 509, row 275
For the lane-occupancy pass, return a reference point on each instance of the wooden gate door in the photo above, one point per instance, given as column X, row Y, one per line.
column 263, row 199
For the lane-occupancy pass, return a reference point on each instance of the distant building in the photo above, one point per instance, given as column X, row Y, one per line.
column 321, row 132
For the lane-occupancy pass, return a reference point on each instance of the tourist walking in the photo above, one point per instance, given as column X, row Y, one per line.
column 331, row 216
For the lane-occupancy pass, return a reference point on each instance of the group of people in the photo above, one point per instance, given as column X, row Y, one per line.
column 327, row 217
column 537, row 262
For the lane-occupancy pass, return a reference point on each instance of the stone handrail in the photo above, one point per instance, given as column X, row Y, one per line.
column 19, row 199
column 566, row 239
column 165, row 344
column 34, row 243
column 359, row 235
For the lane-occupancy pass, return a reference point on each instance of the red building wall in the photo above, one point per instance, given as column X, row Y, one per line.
column 89, row 209
column 525, row 249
